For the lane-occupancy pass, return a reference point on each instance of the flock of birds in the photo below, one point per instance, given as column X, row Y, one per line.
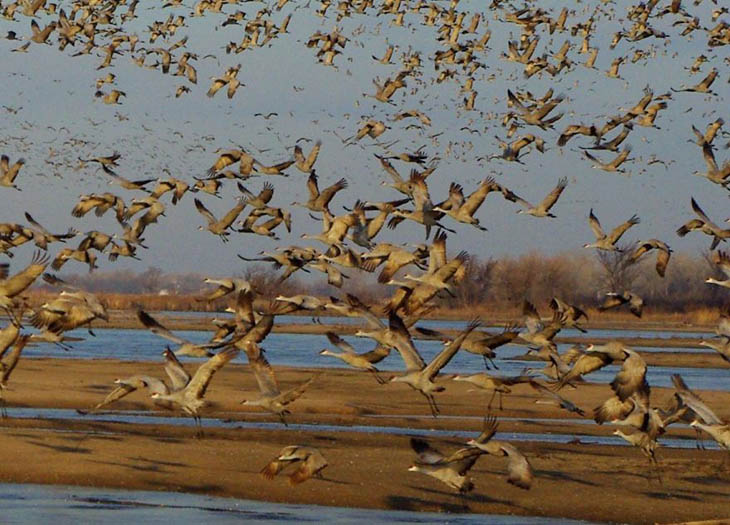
column 350, row 240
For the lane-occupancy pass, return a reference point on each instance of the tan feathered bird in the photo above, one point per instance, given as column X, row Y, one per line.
column 663, row 254
column 9, row 172
column 305, row 164
column 543, row 209
column 519, row 470
column 319, row 200
column 309, row 461
column 272, row 398
column 190, row 396
column 608, row 242
column 11, row 287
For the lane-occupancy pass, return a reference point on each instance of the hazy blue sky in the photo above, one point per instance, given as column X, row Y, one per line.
column 53, row 95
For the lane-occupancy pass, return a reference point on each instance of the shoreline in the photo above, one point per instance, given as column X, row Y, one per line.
column 200, row 320
column 572, row 480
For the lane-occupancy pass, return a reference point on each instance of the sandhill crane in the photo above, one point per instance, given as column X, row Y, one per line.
column 703, row 86
column 366, row 229
column 190, row 397
column 511, row 151
column 412, row 298
column 663, row 253
column 272, row 398
column 319, row 200
column 721, row 344
column 478, row 342
column 419, row 376
column 699, row 410
column 497, row 384
column 96, row 240
column 450, row 469
column 334, row 229
column 574, row 130
column 428, row 217
column 536, row 116
column 386, row 56
column 310, row 463
column 261, row 200
column 705, row 139
column 439, row 279
column 286, row 259
column 265, row 228
column 612, row 166
column 722, row 261
column 186, row 347
column 719, row 432
column 229, row 157
column 543, row 209
column 568, row 314
column 220, row 227
column 303, row 302
column 705, row 225
column 608, row 242
column 274, row 169
column 519, row 470
column 227, row 286
column 100, row 203
column 555, row 398
column 614, row 143
column 110, row 98
column 395, row 258
column 365, row 361
column 465, row 208
column 229, row 79
column 124, row 182
column 413, row 113
column 714, row 173
column 10, row 287
column 84, row 256
column 305, row 164
column 70, row 310
column 8, row 172
column 644, row 442
column 126, row 386
column 615, row 299
column 8, row 362
column 538, row 334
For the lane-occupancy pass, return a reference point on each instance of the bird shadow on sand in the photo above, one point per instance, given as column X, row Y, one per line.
column 169, row 440
column 562, row 476
column 333, row 481
column 458, row 499
column 194, row 489
column 129, row 466
column 670, row 496
column 158, row 462
column 419, row 504
column 62, row 448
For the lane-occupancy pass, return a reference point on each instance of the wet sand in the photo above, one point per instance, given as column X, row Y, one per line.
column 604, row 483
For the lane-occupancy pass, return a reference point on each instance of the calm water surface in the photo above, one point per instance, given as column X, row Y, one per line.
column 302, row 350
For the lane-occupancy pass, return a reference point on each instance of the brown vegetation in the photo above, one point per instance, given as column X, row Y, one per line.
column 494, row 287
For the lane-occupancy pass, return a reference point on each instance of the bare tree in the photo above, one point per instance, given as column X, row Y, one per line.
column 619, row 271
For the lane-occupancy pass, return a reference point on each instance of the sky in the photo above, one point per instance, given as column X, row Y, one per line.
column 49, row 116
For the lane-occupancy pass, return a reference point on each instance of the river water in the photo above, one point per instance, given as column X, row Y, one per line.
column 62, row 505
column 302, row 350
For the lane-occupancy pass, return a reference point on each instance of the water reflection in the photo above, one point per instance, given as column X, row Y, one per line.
column 64, row 504
column 153, row 419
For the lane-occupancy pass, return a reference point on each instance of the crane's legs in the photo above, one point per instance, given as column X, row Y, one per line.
column 432, row 404
column 379, row 379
